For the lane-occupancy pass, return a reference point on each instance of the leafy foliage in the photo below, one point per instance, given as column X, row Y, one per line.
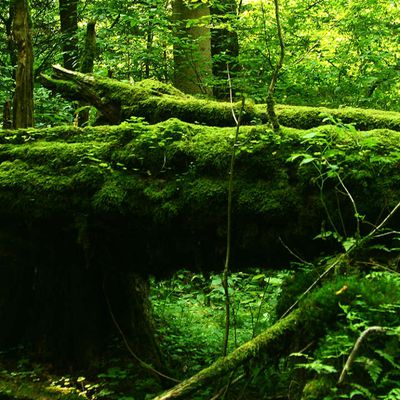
column 189, row 311
column 375, row 372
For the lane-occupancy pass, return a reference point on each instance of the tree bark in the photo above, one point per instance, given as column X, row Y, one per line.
column 273, row 118
column 87, row 64
column 224, row 46
column 89, row 51
column 23, row 95
column 192, row 49
column 68, row 10
column 7, row 120
column 10, row 41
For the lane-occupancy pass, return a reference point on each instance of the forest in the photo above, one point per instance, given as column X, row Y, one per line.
column 199, row 199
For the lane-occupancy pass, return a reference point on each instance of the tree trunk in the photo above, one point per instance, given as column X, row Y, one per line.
column 7, row 120
column 192, row 49
column 87, row 64
column 10, row 41
column 64, row 292
column 224, row 46
column 23, row 96
column 273, row 118
column 68, row 10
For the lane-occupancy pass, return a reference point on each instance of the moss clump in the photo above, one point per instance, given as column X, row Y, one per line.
column 317, row 389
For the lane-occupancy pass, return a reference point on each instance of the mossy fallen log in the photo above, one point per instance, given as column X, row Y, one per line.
column 89, row 213
column 156, row 102
column 174, row 174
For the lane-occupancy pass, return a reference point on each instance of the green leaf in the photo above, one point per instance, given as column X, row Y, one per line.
column 307, row 159
column 349, row 243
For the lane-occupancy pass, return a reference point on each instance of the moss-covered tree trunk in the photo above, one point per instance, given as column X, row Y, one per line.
column 23, row 94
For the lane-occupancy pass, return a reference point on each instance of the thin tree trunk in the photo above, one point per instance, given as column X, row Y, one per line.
column 149, row 46
column 23, row 95
column 271, row 89
column 7, row 121
column 224, row 45
column 68, row 10
column 87, row 64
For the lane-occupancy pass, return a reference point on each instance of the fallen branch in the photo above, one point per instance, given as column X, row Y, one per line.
column 240, row 356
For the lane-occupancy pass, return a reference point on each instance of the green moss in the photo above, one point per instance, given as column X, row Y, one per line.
column 317, row 389
column 302, row 117
column 156, row 101
column 173, row 167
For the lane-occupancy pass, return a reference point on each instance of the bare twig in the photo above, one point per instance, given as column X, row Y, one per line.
column 223, row 391
column 356, row 348
column 293, row 253
column 381, row 225
column 356, row 214
column 225, row 275
column 326, row 272
column 129, row 348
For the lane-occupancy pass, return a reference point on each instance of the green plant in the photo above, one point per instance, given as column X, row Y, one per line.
column 375, row 372
column 189, row 310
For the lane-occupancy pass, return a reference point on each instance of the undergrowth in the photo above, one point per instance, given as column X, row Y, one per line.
column 190, row 315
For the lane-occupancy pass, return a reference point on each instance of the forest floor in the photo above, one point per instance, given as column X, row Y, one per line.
column 190, row 318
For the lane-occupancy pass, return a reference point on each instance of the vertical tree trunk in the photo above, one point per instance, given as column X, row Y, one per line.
column 69, row 28
column 23, row 95
column 10, row 41
column 224, row 45
column 87, row 64
column 89, row 51
column 273, row 118
column 7, row 121
column 149, row 45
column 192, row 49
